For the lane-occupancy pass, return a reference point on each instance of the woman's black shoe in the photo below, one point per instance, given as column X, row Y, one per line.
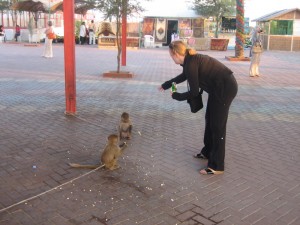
column 200, row 156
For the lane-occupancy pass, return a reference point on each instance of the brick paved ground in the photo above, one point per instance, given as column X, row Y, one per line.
column 159, row 181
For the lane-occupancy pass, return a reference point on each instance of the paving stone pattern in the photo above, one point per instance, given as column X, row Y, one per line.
column 159, row 180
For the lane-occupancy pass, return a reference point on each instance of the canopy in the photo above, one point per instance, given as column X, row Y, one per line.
column 29, row 6
column 81, row 6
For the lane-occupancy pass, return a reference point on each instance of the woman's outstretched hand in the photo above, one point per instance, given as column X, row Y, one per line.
column 160, row 89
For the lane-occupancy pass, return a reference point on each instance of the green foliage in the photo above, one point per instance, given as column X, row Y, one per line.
column 113, row 9
column 215, row 8
column 30, row 25
column 77, row 27
column 4, row 5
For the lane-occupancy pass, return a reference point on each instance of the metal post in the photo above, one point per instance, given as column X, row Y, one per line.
column 69, row 54
column 124, row 32
column 49, row 9
column 140, row 37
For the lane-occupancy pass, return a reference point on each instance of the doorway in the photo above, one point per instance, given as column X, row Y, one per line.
column 172, row 28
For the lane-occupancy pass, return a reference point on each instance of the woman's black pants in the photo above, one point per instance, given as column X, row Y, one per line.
column 215, row 125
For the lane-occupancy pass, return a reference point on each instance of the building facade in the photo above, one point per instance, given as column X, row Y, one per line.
column 281, row 30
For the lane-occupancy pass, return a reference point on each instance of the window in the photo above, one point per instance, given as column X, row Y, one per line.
column 282, row 27
column 296, row 30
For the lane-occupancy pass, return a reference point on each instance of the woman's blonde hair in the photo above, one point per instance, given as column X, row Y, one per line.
column 181, row 48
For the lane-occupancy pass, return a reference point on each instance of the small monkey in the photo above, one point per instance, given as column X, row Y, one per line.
column 125, row 126
column 110, row 155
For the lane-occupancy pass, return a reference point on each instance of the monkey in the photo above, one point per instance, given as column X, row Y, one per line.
column 112, row 151
column 125, row 126
column 109, row 156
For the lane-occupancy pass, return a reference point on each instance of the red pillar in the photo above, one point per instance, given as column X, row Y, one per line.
column 124, row 32
column 69, row 54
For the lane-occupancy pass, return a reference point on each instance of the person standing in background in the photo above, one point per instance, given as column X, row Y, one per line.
column 48, row 53
column 1, row 30
column 18, row 32
column 82, row 33
column 255, row 52
column 92, row 30
column 2, row 34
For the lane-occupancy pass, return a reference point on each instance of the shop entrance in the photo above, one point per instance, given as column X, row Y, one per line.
column 172, row 28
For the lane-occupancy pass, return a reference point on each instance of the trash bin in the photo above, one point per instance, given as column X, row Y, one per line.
column 148, row 41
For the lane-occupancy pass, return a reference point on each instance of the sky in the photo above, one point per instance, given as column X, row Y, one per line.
column 253, row 8
column 257, row 8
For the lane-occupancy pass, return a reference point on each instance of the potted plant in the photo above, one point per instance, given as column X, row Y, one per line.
column 77, row 29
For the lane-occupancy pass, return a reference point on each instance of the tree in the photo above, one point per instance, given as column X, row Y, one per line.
column 4, row 5
column 214, row 8
column 114, row 9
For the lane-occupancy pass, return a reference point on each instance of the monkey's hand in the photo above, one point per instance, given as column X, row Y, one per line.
column 124, row 144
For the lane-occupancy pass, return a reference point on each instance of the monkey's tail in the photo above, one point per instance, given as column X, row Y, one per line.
column 76, row 165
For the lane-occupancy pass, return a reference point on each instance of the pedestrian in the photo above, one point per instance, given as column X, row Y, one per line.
column 92, row 30
column 48, row 53
column 86, row 35
column 255, row 52
column 210, row 75
column 82, row 33
column 1, row 30
column 2, row 34
column 18, row 32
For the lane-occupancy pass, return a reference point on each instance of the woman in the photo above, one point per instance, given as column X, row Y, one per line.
column 1, row 30
column 255, row 52
column 202, row 71
column 48, row 53
column 2, row 34
column 18, row 32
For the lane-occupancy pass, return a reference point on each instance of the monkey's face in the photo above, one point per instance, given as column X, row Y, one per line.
column 125, row 117
column 113, row 139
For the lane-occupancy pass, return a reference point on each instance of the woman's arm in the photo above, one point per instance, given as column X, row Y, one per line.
column 191, row 71
column 179, row 79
